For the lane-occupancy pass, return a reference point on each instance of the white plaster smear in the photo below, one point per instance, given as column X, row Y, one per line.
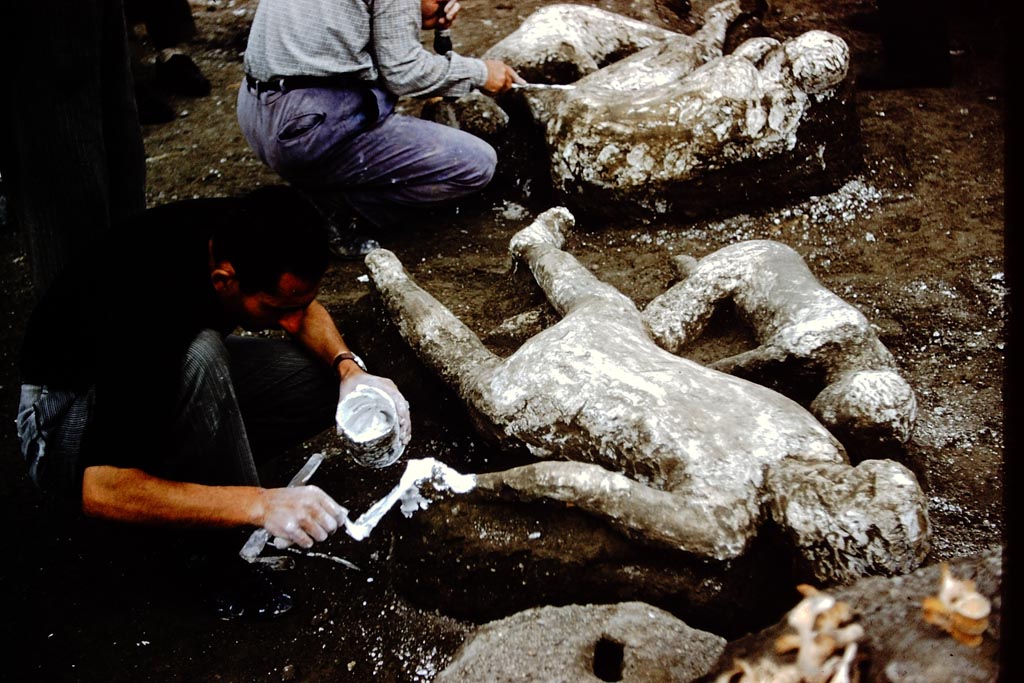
column 408, row 493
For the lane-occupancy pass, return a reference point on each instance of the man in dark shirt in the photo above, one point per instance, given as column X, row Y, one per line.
column 138, row 405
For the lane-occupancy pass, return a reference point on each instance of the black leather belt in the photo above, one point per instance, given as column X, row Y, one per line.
column 285, row 83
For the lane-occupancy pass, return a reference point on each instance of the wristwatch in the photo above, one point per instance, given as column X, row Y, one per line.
column 347, row 355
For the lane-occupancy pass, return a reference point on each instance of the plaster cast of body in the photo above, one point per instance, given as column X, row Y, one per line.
column 803, row 331
column 678, row 109
column 668, row 451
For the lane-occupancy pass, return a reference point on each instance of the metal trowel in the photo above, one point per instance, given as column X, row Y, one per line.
column 542, row 86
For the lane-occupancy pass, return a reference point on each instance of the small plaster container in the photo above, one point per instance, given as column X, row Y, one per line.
column 367, row 423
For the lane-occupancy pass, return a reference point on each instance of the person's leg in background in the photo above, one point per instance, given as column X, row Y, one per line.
column 72, row 158
column 393, row 172
column 915, row 44
column 169, row 27
column 352, row 156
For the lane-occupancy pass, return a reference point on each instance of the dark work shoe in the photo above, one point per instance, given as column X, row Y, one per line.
column 180, row 75
column 151, row 108
column 236, row 589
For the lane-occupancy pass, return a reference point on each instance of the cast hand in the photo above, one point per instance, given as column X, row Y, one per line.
column 500, row 77
column 354, row 379
column 435, row 17
column 301, row 515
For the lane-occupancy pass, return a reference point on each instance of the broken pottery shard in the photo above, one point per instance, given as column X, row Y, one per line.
column 894, row 643
column 367, row 423
column 821, row 648
column 958, row 608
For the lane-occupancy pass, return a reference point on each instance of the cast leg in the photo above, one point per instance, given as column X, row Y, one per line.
column 711, row 36
column 565, row 281
column 673, row 520
column 678, row 315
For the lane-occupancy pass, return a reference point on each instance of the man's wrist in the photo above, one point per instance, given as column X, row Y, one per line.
column 343, row 356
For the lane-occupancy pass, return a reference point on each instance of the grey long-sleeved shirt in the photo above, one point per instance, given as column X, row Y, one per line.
column 373, row 39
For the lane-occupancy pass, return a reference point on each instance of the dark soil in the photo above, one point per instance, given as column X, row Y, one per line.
column 916, row 240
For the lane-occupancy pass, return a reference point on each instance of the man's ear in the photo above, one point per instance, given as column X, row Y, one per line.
column 222, row 275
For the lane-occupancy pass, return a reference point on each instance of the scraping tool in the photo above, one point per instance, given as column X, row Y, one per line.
column 542, row 86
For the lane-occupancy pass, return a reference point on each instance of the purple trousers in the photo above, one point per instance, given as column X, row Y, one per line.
column 347, row 143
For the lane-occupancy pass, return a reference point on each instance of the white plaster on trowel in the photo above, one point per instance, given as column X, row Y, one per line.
column 417, row 472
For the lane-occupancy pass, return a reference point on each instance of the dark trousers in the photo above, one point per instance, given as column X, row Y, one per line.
column 244, row 400
column 241, row 401
column 71, row 150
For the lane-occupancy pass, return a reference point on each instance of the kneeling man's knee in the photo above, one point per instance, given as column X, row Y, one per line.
column 480, row 165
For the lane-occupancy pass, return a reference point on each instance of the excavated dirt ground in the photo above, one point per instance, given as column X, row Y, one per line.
column 916, row 240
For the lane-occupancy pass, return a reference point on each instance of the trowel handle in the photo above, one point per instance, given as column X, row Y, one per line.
column 255, row 545
column 442, row 36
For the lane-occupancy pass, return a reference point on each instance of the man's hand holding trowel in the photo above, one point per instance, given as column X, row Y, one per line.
column 439, row 15
column 374, row 429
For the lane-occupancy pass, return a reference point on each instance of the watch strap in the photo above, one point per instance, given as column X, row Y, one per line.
column 347, row 355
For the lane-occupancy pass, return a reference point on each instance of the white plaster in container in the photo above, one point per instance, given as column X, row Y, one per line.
column 367, row 424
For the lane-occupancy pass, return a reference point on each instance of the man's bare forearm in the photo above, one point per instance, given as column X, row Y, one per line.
column 131, row 495
column 320, row 335
column 301, row 515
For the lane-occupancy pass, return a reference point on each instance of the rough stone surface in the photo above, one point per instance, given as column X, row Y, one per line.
column 679, row 128
column 664, row 450
column 475, row 112
column 898, row 646
column 810, row 341
column 631, row 642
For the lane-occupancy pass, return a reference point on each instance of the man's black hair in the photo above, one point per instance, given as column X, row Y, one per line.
column 272, row 231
